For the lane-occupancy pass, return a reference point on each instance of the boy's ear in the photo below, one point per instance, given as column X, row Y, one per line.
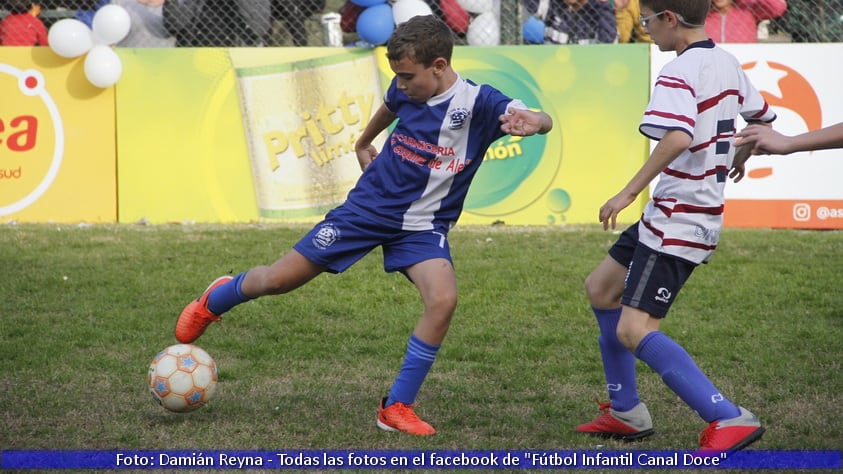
column 440, row 64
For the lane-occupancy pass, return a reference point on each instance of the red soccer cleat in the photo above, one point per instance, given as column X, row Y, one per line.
column 727, row 436
column 628, row 425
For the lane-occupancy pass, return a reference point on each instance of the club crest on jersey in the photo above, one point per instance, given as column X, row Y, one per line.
column 458, row 117
column 326, row 236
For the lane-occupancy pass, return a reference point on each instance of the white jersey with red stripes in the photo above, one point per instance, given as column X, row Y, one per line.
column 701, row 92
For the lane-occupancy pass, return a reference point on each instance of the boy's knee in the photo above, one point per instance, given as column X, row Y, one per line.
column 441, row 306
column 590, row 287
column 446, row 303
column 600, row 295
column 631, row 335
column 627, row 338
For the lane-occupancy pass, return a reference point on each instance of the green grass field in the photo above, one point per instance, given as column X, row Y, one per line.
column 83, row 309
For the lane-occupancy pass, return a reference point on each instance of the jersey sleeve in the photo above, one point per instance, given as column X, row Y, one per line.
column 389, row 97
column 495, row 103
column 673, row 106
column 755, row 107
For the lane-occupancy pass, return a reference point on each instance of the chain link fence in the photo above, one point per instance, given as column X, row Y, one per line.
column 164, row 23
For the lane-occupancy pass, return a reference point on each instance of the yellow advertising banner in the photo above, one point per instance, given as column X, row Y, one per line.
column 252, row 134
column 596, row 95
column 302, row 119
column 57, row 148
column 182, row 147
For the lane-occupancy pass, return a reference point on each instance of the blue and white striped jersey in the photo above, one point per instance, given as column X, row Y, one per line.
column 420, row 178
column 701, row 92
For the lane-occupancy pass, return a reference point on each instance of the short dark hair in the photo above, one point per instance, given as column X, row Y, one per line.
column 422, row 39
column 693, row 12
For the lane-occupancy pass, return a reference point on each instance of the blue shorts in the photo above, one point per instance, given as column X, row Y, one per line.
column 653, row 279
column 344, row 237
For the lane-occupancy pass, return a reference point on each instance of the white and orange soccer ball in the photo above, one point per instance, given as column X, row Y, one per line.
column 182, row 378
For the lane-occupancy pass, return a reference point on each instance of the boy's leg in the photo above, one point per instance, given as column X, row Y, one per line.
column 653, row 283
column 730, row 427
column 624, row 417
column 604, row 287
column 436, row 282
column 332, row 245
column 286, row 274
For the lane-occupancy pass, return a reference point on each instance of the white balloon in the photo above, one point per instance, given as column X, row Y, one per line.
column 403, row 10
column 477, row 6
column 111, row 24
column 70, row 38
column 484, row 30
column 102, row 66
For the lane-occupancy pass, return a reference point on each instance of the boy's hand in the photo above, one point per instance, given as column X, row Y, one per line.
column 609, row 211
column 522, row 122
column 366, row 155
column 763, row 140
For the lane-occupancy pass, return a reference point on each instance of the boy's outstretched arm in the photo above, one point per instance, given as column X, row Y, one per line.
column 523, row 122
column 766, row 141
column 366, row 152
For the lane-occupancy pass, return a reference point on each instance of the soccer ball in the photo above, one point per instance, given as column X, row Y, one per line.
column 182, row 378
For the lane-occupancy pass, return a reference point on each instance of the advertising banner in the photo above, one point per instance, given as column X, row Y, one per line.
column 302, row 119
column 252, row 134
column 240, row 135
column 57, row 150
column 596, row 95
column 182, row 147
column 801, row 190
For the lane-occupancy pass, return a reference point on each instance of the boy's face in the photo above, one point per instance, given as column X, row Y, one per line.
column 658, row 28
column 420, row 83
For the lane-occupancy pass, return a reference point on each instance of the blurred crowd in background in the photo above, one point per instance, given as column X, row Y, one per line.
column 235, row 23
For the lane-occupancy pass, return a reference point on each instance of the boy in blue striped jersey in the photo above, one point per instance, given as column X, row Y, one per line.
column 409, row 196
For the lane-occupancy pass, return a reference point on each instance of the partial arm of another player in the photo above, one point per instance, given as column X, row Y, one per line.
column 523, row 122
column 669, row 147
column 766, row 141
column 366, row 152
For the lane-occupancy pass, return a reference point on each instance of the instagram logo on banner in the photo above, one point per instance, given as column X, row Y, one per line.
column 801, row 212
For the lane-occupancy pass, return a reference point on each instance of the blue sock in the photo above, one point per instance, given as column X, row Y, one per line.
column 684, row 377
column 618, row 361
column 417, row 362
column 227, row 295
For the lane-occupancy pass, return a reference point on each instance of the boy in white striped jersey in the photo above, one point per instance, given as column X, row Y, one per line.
column 692, row 113
column 409, row 196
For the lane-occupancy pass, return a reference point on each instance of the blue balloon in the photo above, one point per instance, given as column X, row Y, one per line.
column 533, row 30
column 375, row 24
column 367, row 3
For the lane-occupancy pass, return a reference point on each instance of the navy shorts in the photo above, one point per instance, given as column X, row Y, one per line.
column 653, row 279
column 344, row 237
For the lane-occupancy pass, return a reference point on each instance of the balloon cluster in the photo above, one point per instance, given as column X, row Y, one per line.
column 71, row 38
column 377, row 20
column 477, row 19
column 485, row 27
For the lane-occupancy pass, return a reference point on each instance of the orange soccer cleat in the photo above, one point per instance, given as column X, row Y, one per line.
column 195, row 317
column 401, row 417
